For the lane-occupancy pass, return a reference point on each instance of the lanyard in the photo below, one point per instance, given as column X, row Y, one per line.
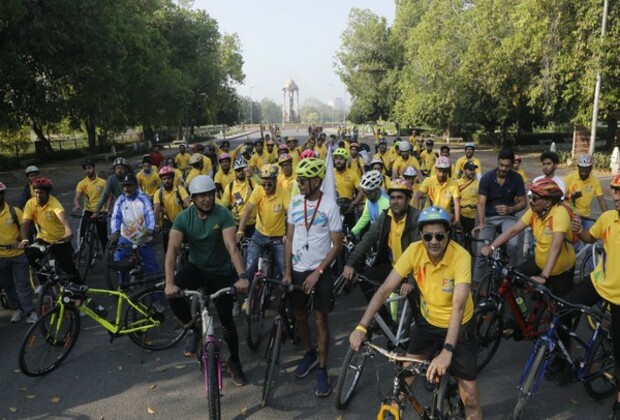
column 316, row 210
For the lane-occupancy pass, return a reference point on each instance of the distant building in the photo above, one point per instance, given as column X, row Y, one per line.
column 290, row 106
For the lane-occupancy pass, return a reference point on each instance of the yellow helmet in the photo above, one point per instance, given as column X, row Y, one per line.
column 311, row 168
column 268, row 171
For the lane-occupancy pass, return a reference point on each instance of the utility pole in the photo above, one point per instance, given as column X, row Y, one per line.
column 597, row 88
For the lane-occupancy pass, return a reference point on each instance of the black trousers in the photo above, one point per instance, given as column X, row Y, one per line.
column 102, row 227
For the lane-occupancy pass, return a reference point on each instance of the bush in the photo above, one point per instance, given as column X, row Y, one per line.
column 601, row 161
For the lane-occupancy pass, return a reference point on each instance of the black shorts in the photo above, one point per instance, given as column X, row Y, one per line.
column 323, row 292
column 426, row 340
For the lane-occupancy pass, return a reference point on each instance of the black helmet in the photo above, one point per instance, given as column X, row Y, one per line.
column 129, row 179
column 88, row 162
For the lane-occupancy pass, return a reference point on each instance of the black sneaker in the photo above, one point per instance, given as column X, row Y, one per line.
column 236, row 372
column 616, row 413
column 309, row 362
column 191, row 343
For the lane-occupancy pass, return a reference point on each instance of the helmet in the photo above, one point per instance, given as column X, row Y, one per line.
column 129, row 179
column 615, row 183
column 342, row 152
column 354, row 144
column 404, row 146
column 120, row 161
column 473, row 146
column 195, row 158
column 410, row 171
column 400, row 184
column 240, row 163
column 433, row 214
column 429, row 141
column 442, row 162
column 376, row 161
column 397, row 144
column 291, row 139
column 201, row 184
column 223, row 156
column 2, row 186
column 371, row 180
column 382, row 140
column 584, row 161
column 32, row 169
column 40, row 183
column 283, row 147
column 308, row 154
column 166, row 170
column 285, row 158
column 268, row 171
column 546, row 188
column 518, row 158
column 146, row 159
column 311, row 168
column 88, row 162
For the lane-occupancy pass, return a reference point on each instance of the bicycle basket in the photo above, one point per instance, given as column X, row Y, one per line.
column 74, row 295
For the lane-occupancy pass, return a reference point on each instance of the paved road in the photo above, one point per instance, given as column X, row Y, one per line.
column 103, row 380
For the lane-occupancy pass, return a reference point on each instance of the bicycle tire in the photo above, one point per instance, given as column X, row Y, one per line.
column 488, row 322
column 255, row 315
column 606, row 319
column 83, row 257
column 449, row 403
column 272, row 358
column 48, row 296
column 212, row 386
column 601, row 359
column 111, row 276
column 530, row 379
column 170, row 330
column 352, row 369
column 587, row 265
column 484, row 287
column 49, row 341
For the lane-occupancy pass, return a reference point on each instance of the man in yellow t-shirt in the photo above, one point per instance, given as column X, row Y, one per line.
column 347, row 183
column 14, row 264
column 441, row 190
column 224, row 175
column 237, row 193
column 404, row 160
column 48, row 215
column 441, row 270
column 384, row 156
column 260, row 157
column 182, row 160
column 321, row 147
column 89, row 191
column 468, row 193
column 356, row 162
column 445, row 151
column 427, row 158
column 286, row 175
column 148, row 180
column 469, row 156
column 196, row 162
column 582, row 187
column 169, row 201
column 516, row 166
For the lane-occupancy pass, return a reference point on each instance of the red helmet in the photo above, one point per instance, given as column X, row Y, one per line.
column 546, row 188
column 41, row 183
column 223, row 156
column 166, row 170
column 2, row 187
column 356, row 145
column 615, row 183
column 308, row 154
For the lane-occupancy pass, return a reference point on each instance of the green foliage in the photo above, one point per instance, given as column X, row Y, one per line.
column 271, row 113
column 15, row 141
column 601, row 161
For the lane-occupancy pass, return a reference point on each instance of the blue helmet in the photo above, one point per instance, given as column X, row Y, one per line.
column 433, row 214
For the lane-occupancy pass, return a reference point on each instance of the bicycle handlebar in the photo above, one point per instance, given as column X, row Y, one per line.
column 226, row 290
column 287, row 287
column 418, row 366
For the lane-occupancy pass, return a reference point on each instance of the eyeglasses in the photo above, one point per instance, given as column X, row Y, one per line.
column 440, row 236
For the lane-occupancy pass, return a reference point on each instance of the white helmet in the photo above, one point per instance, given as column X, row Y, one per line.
column 32, row 169
column 376, row 161
column 410, row 171
column 371, row 180
column 201, row 184
column 120, row 161
column 404, row 146
column 442, row 162
column 584, row 161
column 240, row 163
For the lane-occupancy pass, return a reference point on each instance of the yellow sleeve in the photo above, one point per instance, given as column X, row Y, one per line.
column 425, row 185
column 456, row 193
column 156, row 199
column 79, row 186
column 598, row 227
column 19, row 214
column 183, row 193
column 255, row 196
column 28, row 209
column 462, row 264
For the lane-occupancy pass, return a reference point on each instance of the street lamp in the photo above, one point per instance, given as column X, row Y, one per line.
column 251, row 105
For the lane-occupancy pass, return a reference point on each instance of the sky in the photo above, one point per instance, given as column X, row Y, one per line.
column 295, row 39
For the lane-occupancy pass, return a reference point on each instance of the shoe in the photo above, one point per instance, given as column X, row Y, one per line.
column 245, row 306
column 236, row 309
column 323, row 386
column 32, row 318
column 191, row 344
column 236, row 372
column 18, row 315
column 309, row 362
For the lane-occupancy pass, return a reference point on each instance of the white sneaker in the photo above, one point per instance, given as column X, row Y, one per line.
column 32, row 318
column 17, row 316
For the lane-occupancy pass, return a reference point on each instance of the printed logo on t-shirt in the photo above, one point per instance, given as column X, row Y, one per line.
column 216, row 226
column 49, row 215
column 447, row 285
column 276, row 208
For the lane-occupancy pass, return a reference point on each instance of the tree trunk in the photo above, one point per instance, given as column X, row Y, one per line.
column 612, row 128
column 37, row 127
column 91, row 130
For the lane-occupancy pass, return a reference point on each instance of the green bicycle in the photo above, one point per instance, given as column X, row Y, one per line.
column 147, row 320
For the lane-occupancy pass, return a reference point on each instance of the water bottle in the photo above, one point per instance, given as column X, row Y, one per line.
column 521, row 305
column 96, row 308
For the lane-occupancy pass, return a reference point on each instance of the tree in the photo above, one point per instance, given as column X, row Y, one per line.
column 270, row 111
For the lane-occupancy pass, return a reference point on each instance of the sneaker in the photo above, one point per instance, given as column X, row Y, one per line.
column 323, row 386
column 236, row 372
column 191, row 344
column 18, row 315
column 309, row 362
column 32, row 318
column 236, row 309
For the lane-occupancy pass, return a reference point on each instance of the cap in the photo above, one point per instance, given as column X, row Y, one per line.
column 88, row 162
column 470, row 165
column 129, row 179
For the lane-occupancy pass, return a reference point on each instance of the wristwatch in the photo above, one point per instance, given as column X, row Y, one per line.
column 449, row 347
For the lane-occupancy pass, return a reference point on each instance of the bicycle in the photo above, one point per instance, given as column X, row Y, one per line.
column 131, row 266
column 209, row 351
column 147, row 321
column 88, row 246
column 354, row 362
column 595, row 368
column 259, row 296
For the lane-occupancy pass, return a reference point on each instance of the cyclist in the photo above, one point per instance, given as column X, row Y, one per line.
column 224, row 147
column 442, row 272
column 404, row 160
column 157, row 159
column 411, row 175
column 356, row 162
column 286, row 177
column 237, row 193
column 148, row 180
column 383, row 155
column 293, row 150
column 582, row 187
column 445, row 151
column 90, row 190
column 182, row 160
column 321, row 147
column 224, row 175
column 197, row 163
column 605, row 279
column 516, row 166
column 313, row 240
column 470, row 148
column 209, row 230
column 169, row 201
column 112, row 185
column 377, row 165
column 260, row 157
column 347, row 182
column 271, row 148
column 428, row 157
column 133, row 222
column 376, row 201
column 28, row 192
column 550, row 161
column 441, row 190
column 14, row 264
column 178, row 174
column 48, row 215
column 468, row 192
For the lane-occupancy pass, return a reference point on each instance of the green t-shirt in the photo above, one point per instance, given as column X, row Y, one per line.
column 205, row 239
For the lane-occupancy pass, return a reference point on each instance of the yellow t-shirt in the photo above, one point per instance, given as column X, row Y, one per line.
column 400, row 165
column 149, row 183
column 49, row 226
column 224, row 179
column 440, row 194
column 9, row 232
column 606, row 276
column 556, row 220
column 523, row 174
column 357, row 165
column 347, row 182
column 287, row 183
column 437, row 282
column 428, row 160
column 171, row 206
column 322, row 151
column 461, row 161
column 207, row 166
column 178, row 177
column 182, row 161
column 452, row 174
column 468, row 191
column 589, row 189
column 91, row 192
column 257, row 161
column 394, row 237
column 270, row 211
column 191, row 175
column 237, row 199
column 386, row 158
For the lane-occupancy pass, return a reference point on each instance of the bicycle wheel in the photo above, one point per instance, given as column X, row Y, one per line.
column 48, row 296
column 255, row 316
column 589, row 262
column 449, row 403
column 49, row 340
column 170, row 330
column 600, row 365
column 272, row 357
column 488, row 321
column 350, row 375
column 212, row 386
column 529, row 382
column 484, row 288
column 83, row 257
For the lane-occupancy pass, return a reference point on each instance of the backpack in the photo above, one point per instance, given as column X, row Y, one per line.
column 14, row 216
column 574, row 237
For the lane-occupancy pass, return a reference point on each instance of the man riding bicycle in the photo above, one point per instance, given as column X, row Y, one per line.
column 582, row 187
column 170, row 200
column 90, row 191
column 347, row 182
column 376, row 201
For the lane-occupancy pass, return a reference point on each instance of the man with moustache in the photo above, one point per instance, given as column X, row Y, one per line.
column 89, row 190
column 169, row 201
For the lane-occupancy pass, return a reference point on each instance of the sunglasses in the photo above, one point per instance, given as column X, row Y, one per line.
column 440, row 236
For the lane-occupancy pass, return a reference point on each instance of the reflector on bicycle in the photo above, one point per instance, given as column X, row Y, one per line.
column 74, row 295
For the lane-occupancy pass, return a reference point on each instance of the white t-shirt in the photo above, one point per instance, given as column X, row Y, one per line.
column 310, row 247
column 557, row 180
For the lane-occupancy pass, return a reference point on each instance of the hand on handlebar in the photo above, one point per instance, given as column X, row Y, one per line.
column 539, row 279
column 239, row 236
column 356, row 339
column 348, row 273
column 486, row 251
column 439, row 365
column 172, row 290
column 242, row 285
